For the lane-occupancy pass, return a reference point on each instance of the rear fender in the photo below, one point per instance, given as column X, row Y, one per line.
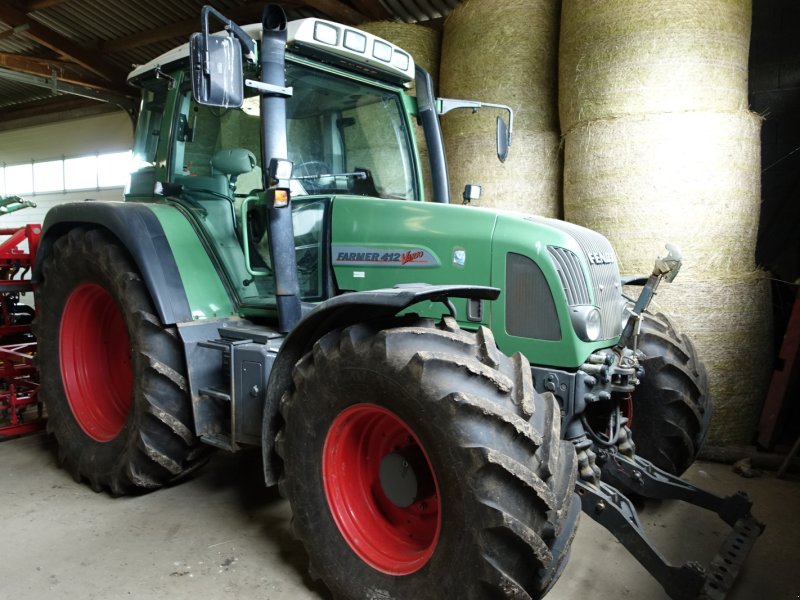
column 140, row 231
column 338, row 312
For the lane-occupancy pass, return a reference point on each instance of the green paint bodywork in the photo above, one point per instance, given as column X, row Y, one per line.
column 201, row 280
column 486, row 236
column 518, row 234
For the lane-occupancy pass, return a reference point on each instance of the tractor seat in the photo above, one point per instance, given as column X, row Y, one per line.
column 232, row 162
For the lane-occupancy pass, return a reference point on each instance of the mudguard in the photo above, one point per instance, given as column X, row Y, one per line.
column 338, row 312
column 141, row 233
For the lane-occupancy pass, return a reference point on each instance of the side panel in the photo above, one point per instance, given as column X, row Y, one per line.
column 381, row 243
column 180, row 277
column 204, row 289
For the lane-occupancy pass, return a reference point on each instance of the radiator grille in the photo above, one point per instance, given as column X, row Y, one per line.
column 571, row 275
column 530, row 309
column 604, row 273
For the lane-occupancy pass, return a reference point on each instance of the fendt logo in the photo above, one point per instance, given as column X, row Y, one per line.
column 601, row 258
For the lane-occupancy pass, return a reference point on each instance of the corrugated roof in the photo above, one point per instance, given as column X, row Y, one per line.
column 104, row 39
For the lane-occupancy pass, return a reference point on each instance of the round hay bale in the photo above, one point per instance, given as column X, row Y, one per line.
column 621, row 57
column 506, row 55
column 529, row 181
column 423, row 43
column 729, row 319
column 692, row 179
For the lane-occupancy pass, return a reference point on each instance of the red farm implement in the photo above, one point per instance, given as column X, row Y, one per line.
column 20, row 410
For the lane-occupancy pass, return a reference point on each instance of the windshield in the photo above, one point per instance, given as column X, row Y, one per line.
column 343, row 137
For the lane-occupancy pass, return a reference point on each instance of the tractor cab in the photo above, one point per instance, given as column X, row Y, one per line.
column 347, row 133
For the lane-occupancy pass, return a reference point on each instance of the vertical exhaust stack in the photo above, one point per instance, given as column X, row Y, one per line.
column 274, row 146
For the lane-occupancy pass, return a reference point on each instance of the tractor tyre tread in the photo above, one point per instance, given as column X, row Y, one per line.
column 156, row 444
column 672, row 406
column 516, row 494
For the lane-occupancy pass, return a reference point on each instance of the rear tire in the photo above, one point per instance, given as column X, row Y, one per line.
column 495, row 510
column 112, row 376
column 672, row 406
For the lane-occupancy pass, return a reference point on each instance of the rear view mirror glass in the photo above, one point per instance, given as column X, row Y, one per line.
column 502, row 140
column 216, row 62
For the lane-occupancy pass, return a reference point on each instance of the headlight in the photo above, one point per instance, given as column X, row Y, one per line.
column 627, row 307
column 586, row 321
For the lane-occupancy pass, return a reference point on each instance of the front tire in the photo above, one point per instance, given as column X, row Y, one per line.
column 420, row 463
column 112, row 376
column 672, row 406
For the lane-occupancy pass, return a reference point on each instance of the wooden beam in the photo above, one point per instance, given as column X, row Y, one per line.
column 64, row 72
column 58, row 43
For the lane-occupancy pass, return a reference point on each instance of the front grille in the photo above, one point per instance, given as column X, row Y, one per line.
column 605, row 275
column 605, row 278
column 530, row 308
column 571, row 275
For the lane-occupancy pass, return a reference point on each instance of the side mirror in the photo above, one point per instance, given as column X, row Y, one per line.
column 445, row 105
column 216, row 62
column 503, row 139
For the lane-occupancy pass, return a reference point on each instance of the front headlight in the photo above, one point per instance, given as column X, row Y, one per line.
column 587, row 322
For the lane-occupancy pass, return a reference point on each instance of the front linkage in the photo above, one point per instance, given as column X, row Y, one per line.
column 594, row 422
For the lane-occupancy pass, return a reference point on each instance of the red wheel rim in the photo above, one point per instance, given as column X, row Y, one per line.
column 95, row 362
column 391, row 539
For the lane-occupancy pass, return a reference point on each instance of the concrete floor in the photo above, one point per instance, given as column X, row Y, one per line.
column 222, row 534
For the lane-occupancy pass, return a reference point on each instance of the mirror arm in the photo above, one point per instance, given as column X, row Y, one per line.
column 268, row 88
column 445, row 105
column 247, row 42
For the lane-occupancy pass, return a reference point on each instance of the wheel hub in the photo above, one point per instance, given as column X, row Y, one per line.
column 381, row 489
column 405, row 477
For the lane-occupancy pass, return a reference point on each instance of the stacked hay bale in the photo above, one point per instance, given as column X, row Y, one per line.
column 660, row 147
column 424, row 44
column 505, row 55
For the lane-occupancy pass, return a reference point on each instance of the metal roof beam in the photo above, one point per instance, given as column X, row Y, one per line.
column 373, row 9
column 68, row 88
column 244, row 14
column 335, row 9
column 44, row 67
column 32, row 5
column 250, row 13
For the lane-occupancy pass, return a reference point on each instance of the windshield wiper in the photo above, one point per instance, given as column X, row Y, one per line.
column 356, row 174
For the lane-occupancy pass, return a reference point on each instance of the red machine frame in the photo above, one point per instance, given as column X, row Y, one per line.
column 19, row 384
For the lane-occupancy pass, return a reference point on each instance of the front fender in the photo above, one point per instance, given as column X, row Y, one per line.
column 338, row 312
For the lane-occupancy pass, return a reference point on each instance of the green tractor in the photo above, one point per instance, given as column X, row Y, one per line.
column 275, row 279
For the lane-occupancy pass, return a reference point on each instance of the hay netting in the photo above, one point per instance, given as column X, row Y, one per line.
column 620, row 57
column 729, row 319
column 529, row 181
column 692, row 179
column 507, row 56
column 423, row 43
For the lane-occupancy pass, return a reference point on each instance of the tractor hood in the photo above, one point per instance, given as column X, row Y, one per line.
column 548, row 269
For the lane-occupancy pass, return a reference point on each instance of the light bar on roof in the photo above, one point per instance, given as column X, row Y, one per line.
column 351, row 49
